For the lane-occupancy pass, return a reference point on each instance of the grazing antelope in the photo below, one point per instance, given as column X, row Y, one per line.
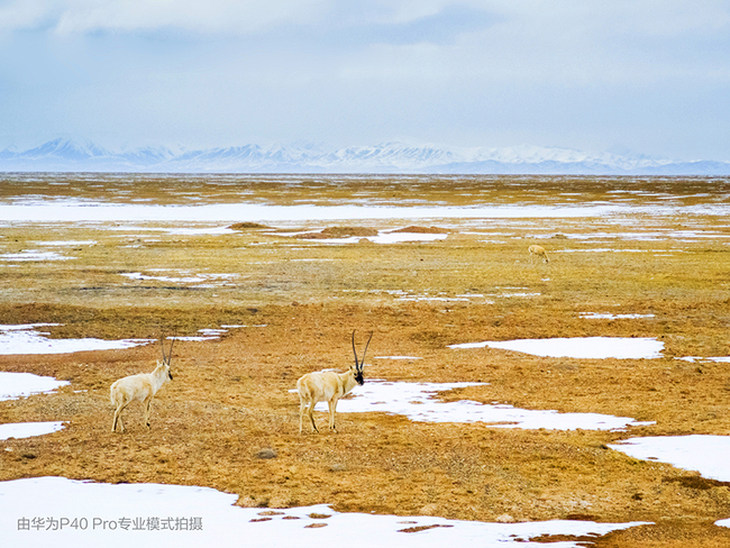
column 141, row 387
column 328, row 386
column 538, row 251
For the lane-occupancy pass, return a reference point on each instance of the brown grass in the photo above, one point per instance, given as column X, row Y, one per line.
column 230, row 398
column 423, row 230
column 248, row 226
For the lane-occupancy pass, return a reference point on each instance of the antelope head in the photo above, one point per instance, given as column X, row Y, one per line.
column 359, row 364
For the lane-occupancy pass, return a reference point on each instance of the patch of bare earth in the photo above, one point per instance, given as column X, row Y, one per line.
column 339, row 232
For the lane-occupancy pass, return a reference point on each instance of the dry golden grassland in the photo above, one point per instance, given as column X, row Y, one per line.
column 300, row 297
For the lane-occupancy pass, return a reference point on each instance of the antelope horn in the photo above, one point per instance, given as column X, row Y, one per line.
column 169, row 356
column 362, row 363
column 162, row 347
column 357, row 363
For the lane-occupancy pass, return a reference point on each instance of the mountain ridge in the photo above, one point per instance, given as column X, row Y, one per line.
column 389, row 157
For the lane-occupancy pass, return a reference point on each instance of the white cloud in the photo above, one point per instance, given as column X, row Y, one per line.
column 25, row 14
column 211, row 16
column 572, row 73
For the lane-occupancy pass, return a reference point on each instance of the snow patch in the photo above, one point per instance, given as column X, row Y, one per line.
column 68, row 243
column 20, row 385
column 25, row 339
column 181, row 278
column 417, row 402
column 32, row 255
column 223, row 524
column 622, row 348
column 717, row 359
column 705, row 454
column 608, row 316
column 19, row 430
column 75, row 211
column 396, row 358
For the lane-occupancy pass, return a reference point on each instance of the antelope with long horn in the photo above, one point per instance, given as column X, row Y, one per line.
column 141, row 387
column 330, row 387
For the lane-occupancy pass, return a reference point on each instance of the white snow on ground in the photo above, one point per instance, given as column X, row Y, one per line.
column 706, row 454
column 426, row 298
column 683, row 235
column 28, row 429
column 417, row 402
column 205, row 335
column 440, row 296
column 213, row 334
column 77, row 211
column 181, row 277
column 25, row 339
column 385, row 238
column 19, row 385
column 68, row 243
column 600, row 250
column 32, row 510
column 396, row 358
column 717, row 359
column 579, row 347
column 398, row 237
column 608, row 316
column 33, row 255
column 201, row 231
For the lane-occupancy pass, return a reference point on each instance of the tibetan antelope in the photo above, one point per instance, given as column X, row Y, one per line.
column 537, row 251
column 328, row 386
column 141, row 387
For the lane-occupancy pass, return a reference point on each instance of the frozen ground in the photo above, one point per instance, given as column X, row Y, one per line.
column 609, row 316
column 68, row 243
column 383, row 237
column 182, row 277
column 417, row 402
column 26, row 339
column 33, row 255
column 19, row 385
column 84, row 211
column 28, row 429
column 706, row 454
column 32, row 510
column 623, row 348
column 715, row 359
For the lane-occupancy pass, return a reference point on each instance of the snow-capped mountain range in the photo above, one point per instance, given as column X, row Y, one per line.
column 393, row 157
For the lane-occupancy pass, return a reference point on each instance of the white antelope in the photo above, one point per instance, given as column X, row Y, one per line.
column 538, row 251
column 328, row 386
column 141, row 387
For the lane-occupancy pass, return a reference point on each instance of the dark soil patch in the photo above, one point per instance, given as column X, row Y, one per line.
column 423, row 230
column 340, row 232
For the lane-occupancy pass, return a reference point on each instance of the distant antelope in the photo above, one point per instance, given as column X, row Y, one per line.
column 328, row 386
column 538, row 251
column 141, row 387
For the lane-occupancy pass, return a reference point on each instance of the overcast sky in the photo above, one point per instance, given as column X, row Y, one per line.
column 646, row 76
